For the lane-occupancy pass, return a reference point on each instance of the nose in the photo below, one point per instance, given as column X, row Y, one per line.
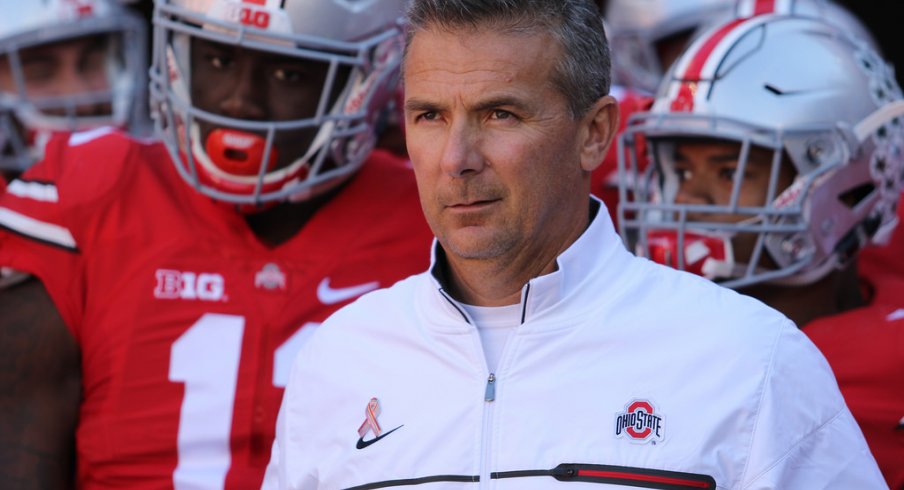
column 460, row 150
column 245, row 99
column 693, row 190
column 696, row 190
column 74, row 79
column 79, row 86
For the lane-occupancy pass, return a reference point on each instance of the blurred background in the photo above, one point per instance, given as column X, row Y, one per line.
column 885, row 18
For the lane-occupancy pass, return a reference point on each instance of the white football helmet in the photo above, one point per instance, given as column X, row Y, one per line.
column 827, row 10
column 27, row 120
column 636, row 28
column 363, row 39
column 820, row 101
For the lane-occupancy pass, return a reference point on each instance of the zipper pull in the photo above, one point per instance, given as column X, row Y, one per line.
column 490, row 394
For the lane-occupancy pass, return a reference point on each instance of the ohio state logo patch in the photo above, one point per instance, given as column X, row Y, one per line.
column 640, row 423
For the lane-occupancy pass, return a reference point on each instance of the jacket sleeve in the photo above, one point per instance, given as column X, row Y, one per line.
column 805, row 436
column 38, row 235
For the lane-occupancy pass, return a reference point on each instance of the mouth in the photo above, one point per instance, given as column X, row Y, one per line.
column 472, row 205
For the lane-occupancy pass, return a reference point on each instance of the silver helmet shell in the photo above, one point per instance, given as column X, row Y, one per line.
column 827, row 10
column 822, row 101
column 635, row 27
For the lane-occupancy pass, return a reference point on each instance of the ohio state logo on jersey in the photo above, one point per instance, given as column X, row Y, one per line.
column 639, row 423
column 270, row 277
column 204, row 286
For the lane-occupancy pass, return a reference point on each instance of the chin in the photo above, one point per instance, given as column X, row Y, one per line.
column 475, row 244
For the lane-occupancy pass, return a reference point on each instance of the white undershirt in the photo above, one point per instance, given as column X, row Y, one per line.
column 495, row 324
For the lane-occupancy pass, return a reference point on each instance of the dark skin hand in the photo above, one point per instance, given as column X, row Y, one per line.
column 40, row 391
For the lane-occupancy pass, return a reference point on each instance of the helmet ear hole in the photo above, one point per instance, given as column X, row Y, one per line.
column 853, row 197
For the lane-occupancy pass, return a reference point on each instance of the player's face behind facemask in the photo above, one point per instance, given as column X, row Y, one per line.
column 268, row 102
column 250, row 85
column 720, row 181
column 67, row 67
column 58, row 86
column 65, row 79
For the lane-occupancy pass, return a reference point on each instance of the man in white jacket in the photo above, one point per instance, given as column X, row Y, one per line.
column 537, row 352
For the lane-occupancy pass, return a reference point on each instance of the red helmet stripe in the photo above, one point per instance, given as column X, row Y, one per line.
column 695, row 67
column 764, row 7
column 752, row 8
column 684, row 99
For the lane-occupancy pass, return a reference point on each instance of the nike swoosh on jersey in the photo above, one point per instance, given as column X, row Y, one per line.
column 329, row 296
column 363, row 444
column 895, row 315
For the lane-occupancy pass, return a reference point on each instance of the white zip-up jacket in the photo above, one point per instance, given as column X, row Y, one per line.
column 622, row 373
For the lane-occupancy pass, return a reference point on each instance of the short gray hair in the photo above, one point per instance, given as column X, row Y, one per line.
column 582, row 74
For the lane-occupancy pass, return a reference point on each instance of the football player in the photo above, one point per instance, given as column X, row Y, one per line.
column 777, row 154
column 66, row 65
column 176, row 282
column 647, row 35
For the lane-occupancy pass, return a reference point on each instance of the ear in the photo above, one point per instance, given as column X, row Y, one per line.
column 600, row 125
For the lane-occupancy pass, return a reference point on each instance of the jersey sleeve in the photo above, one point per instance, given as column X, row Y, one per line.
column 48, row 215
column 805, row 435
column 865, row 348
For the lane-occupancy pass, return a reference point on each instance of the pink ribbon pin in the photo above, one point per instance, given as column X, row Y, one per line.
column 370, row 419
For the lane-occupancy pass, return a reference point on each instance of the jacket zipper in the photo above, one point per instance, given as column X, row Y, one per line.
column 489, row 397
column 490, row 393
column 485, row 446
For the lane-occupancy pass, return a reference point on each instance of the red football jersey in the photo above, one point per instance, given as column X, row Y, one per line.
column 865, row 348
column 187, row 324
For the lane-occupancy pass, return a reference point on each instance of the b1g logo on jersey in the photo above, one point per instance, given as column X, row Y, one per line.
column 639, row 423
column 204, row 286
